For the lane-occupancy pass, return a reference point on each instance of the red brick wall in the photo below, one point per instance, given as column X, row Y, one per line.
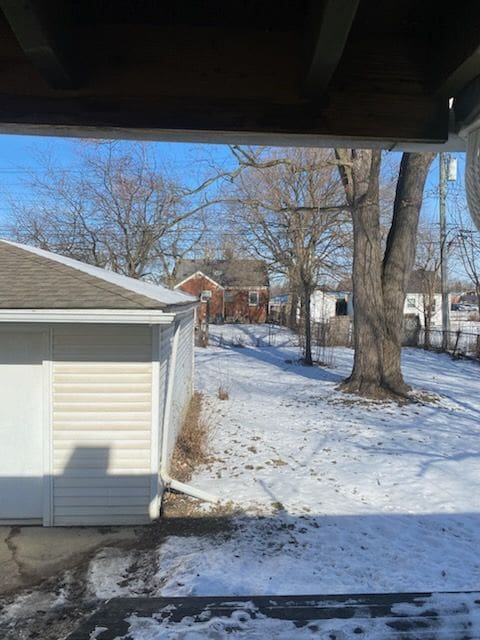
column 194, row 286
column 239, row 310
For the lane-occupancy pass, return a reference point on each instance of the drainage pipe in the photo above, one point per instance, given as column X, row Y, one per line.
column 168, row 482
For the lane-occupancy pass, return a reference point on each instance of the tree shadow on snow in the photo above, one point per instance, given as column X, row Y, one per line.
column 282, row 356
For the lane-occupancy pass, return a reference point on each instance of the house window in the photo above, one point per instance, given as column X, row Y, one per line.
column 205, row 295
column 411, row 303
column 228, row 296
column 253, row 298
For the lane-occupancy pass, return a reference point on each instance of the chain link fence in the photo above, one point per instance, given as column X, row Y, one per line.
column 337, row 332
column 458, row 343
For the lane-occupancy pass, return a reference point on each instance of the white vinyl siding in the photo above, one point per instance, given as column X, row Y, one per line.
column 101, row 424
column 165, row 354
column 183, row 376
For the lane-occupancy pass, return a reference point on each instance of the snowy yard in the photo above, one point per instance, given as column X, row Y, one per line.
column 353, row 496
column 335, row 494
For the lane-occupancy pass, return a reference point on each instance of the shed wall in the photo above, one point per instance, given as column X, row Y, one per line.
column 183, row 379
column 101, row 424
column 323, row 306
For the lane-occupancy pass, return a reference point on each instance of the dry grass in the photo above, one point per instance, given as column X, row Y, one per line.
column 192, row 448
column 223, row 393
column 177, row 505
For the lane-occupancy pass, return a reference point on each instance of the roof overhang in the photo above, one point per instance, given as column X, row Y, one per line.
column 196, row 275
column 91, row 316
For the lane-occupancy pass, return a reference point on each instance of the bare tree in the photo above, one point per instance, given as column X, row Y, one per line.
column 114, row 208
column 427, row 271
column 380, row 276
column 468, row 241
column 288, row 206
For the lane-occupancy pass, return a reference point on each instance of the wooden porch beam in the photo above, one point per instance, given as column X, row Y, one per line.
column 37, row 26
column 387, row 120
column 458, row 44
column 331, row 24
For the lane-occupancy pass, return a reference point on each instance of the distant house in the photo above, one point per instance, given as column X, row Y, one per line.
column 328, row 304
column 416, row 303
column 424, row 297
column 234, row 290
column 324, row 305
column 96, row 373
column 277, row 308
column 468, row 300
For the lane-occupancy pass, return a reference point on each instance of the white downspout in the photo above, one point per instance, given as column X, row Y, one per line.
column 169, row 482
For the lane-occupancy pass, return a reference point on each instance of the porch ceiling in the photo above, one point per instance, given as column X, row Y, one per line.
column 351, row 72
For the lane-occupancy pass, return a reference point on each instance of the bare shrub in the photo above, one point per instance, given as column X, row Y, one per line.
column 191, row 449
column 238, row 341
column 223, row 393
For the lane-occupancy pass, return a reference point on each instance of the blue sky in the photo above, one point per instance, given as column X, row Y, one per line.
column 19, row 154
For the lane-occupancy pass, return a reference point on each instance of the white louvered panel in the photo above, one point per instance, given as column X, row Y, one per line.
column 96, row 425
column 94, row 501
column 112, row 380
column 87, row 472
column 90, row 415
column 118, row 458
column 114, row 406
column 133, row 482
column 103, row 510
column 94, row 521
column 134, row 384
column 86, row 492
column 101, row 409
column 101, row 396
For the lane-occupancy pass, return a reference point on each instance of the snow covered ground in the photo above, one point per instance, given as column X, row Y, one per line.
column 335, row 494
column 341, row 495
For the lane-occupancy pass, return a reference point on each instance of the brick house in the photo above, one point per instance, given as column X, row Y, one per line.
column 235, row 290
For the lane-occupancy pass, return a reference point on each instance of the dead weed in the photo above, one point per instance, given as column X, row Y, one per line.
column 177, row 505
column 223, row 393
column 192, row 447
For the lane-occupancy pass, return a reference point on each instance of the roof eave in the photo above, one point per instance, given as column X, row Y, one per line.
column 91, row 316
column 199, row 273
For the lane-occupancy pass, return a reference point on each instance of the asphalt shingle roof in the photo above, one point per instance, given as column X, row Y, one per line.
column 228, row 273
column 31, row 278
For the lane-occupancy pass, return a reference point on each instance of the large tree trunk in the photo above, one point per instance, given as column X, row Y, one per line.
column 380, row 280
column 368, row 326
column 399, row 260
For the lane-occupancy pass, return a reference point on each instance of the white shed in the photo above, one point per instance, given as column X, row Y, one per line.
column 326, row 305
column 323, row 305
column 95, row 376
column 415, row 303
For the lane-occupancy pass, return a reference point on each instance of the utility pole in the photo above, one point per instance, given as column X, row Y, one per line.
column 442, row 192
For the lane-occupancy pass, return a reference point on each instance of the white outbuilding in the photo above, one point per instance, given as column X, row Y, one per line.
column 326, row 305
column 96, row 374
